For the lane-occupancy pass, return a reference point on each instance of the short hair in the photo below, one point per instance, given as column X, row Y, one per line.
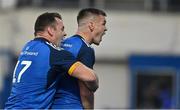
column 44, row 20
column 89, row 12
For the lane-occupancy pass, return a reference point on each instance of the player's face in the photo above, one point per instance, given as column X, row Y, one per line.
column 59, row 31
column 99, row 29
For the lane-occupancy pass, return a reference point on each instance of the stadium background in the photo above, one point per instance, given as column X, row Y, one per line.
column 140, row 28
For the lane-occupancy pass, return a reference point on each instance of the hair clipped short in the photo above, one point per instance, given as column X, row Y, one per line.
column 89, row 12
column 44, row 20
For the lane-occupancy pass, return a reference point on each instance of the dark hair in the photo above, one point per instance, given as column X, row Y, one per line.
column 44, row 20
column 89, row 12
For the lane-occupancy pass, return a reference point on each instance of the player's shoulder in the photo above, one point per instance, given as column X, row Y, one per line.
column 57, row 52
column 72, row 42
column 75, row 39
column 60, row 56
column 46, row 47
column 35, row 45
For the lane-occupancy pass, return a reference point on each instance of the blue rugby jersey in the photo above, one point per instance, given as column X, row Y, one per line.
column 39, row 66
column 68, row 93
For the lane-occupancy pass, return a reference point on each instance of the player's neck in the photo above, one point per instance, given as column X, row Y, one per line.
column 45, row 36
column 85, row 36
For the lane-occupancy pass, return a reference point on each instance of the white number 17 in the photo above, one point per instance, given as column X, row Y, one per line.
column 27, row 65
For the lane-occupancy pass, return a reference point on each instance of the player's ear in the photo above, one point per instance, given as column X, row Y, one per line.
column 50, row 31
column 91, row 26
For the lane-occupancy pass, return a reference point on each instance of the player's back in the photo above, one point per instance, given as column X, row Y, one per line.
column 68, row 93
column 33, row 85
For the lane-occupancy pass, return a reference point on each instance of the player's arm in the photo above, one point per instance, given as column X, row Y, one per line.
column 92, row 86
column 86, row 56
column 65, row 61
column 84, row 73
column 87, row 96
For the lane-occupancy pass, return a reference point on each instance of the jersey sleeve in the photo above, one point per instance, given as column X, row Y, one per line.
column 87, row 57
column 63, row 61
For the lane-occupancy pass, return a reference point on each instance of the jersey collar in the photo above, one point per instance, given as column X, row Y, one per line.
column 47, row 42
column 41, row 39
column 80, row 36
